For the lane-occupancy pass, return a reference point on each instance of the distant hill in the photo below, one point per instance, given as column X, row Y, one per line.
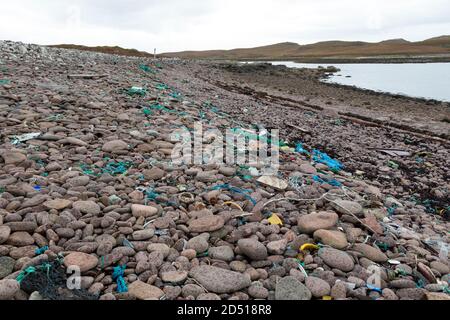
column 293, row 51
column 327, row 49
column 105, row 49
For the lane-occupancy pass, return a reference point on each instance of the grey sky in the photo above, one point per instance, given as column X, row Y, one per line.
column 174, row 25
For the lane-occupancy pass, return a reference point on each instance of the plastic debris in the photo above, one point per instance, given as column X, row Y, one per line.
column 41, row 250
column 118, row 277
column 322, row 157
column 373, row 288
column 127, row 243
column 332, row 182
column 25, row 137
column 146, row 68
column 309, row 247
column 162, row 86
column 4, row 81
column 299, row 148
column 275, row 220
column 393, row 165
column 236, row 190
column 137, row 91
column 50, row 280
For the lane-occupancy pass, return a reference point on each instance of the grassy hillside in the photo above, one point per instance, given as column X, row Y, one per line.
column 327, row 49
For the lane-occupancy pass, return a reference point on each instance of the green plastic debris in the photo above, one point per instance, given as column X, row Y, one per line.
column 4, row 81
column 393, row 165
column 175, row 95
column 162, row 86
column 146, row 68
column 112, row 168
column 147, row 112
column 137, row 91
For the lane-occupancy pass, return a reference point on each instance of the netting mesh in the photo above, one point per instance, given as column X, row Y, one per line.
column 51, row 283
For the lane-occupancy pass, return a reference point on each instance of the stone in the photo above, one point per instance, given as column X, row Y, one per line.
column 143, row 235
column 206, row 224
column 20, row 239
column 8, row 289
column 371, row 253
column 143, row 291
column 219, row 280
column 273, row 182
column 192, row 290
column 115, row 145
column 402, row 284
column 307, row 168
column 159, row 247
column 437, row 296
column 289, row 288
column 57, row 204
column 337, row 259
column 436, row 265
column 253, row 249
column 208, row 297
column 154, row 174
column 224, row 253
column 4, row 233
column 372, row 222
column 143, row 211
column 310, row 223
column 84, row 261
column 339, row 291
column 6, row 266
column 318, row 287
column 87, row 207
column 78, row 181
column 174, row 276
column 277, row 247
column 258, row 292
column 346, row 207
column 199, row 244
column 11, row 157
column 335, row 239
column 412, row 293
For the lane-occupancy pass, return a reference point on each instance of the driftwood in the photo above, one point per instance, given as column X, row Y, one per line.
column 298, row 128
column 87, row 76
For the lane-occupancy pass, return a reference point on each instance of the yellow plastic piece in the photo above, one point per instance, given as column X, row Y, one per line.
column 274, row 219
column 327, row 298
column 309, row 247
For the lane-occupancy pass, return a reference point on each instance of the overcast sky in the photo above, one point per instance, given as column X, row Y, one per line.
column 175, row 25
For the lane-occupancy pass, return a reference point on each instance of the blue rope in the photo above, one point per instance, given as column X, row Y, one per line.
column 118, row 277
column 41, row 250
column 236, row 190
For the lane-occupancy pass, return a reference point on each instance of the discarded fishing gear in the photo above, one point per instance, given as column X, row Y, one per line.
column 244, row 192
column 50, row 280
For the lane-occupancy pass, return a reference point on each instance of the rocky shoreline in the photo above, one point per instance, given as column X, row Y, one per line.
column 87, row 180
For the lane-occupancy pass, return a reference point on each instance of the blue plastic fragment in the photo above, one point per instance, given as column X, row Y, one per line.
column 41, row 250
column 322, row 157
column 299, row 148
